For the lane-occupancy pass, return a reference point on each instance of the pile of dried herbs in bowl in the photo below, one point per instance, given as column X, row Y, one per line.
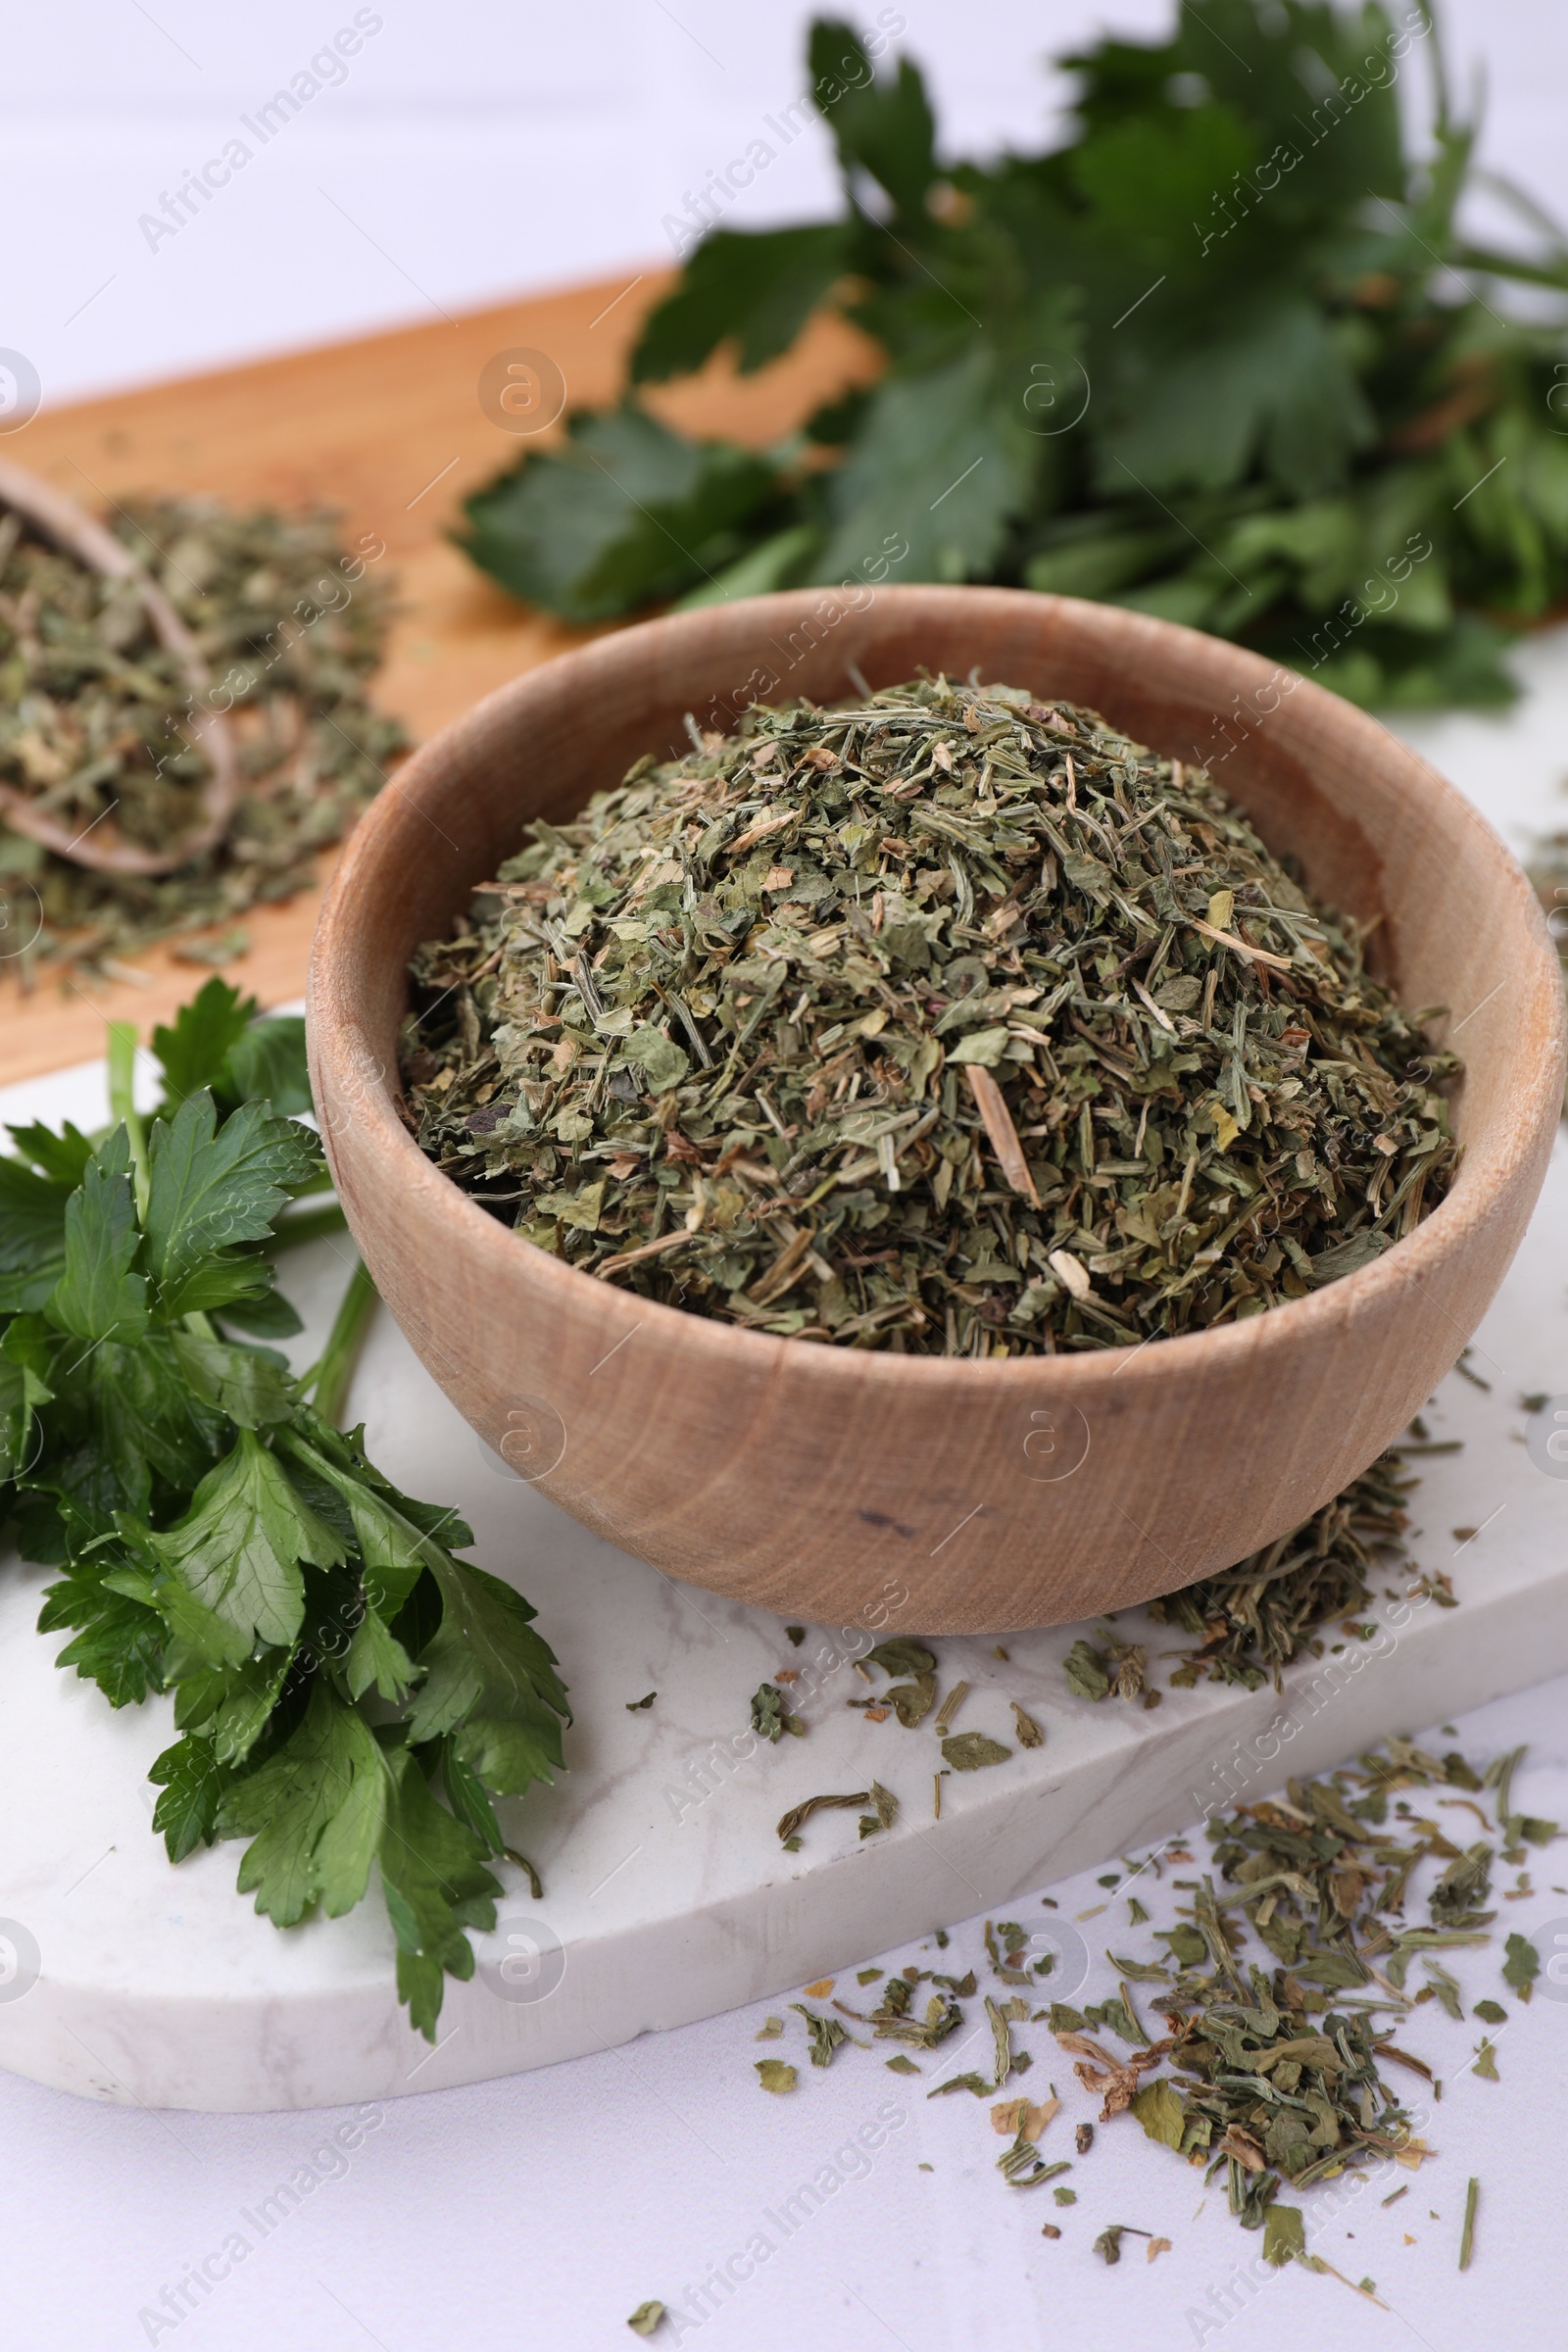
column 98, row 721
column 946, row 1021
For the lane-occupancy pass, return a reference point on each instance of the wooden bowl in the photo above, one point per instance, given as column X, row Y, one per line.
column 838, row 1485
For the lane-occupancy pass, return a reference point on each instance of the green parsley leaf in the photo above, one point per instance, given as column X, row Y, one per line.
column 212, row 1187
column 623, row 511
column 755, row 288
column 97, row 1295
column 436, row 1884
column 330, row 1766
column 240, row 1546
column 216, row 1539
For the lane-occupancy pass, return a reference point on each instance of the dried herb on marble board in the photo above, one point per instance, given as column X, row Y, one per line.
column 1253, row 1620
column 947, row 1023
column 95, row 720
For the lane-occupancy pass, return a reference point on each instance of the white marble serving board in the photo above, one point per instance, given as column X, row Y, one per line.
column 666, row 1897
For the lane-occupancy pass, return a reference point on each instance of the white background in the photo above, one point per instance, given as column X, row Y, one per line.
column 482, row 148
column 476, row 151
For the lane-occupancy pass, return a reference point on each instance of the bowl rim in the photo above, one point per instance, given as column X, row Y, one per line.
column 335, row 1021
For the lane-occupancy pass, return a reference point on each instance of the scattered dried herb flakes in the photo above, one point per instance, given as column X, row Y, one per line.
column 772, row 2031
column 901, row 1656
column 1086, row 1670
column 1159, row 2108
column 825, row 2034
column 1109, row 2242
column 893, row 2019
column 1278, row 2076
column 970, row 1751
column 1025, row 1729
column 793, row 1822
column 948, row 1708
column 1023, row 2166
column 291, row 629
column 947, row 1022
column 1012, row 2116
column 972, row 2081
column 770, row 1716
column 1272, row 2076
column 885, row 1806
column 1521, row 1966
column 775, row 2074
column 1255, row 1619
column 1000, row 2022
column 635, row 1706
column 1467, row 2240
column 646, row 2318
column 1283, row 2235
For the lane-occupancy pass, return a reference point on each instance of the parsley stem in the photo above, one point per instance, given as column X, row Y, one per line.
column 123, row 1106
column 328, row 1379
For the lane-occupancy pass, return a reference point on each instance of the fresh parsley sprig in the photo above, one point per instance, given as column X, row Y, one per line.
column 331, row 1659
column 1224, row 350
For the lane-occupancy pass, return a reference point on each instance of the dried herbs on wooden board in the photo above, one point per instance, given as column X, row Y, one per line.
column 947, row 1022
column 94, row 716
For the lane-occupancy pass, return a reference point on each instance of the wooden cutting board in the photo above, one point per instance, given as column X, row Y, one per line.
column 388, row 429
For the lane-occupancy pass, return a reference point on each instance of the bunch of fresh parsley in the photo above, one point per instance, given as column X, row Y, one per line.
column 219, row 1539
column 1226, row 354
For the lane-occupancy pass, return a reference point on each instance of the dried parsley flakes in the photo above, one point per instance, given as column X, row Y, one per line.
column 95, row 716
column 970, row 1752
column 770, row 1716
column 949, row 1021
column 1253, row 1620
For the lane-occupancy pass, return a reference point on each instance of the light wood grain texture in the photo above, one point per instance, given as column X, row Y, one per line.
column 389, row 429
column 840, row 1485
